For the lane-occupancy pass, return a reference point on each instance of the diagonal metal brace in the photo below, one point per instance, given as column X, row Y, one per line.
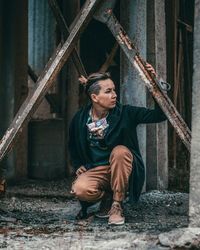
column 105, row 15
column 46, row 79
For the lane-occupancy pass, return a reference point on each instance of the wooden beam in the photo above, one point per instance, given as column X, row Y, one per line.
column 109, row 59
column 65, row 31
column 52, row 102
column 46, row 79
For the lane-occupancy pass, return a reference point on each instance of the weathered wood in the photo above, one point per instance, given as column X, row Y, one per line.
column 46, row 79
column 194, row 201
column 54, row 105
column 65, row 32
column 109, row 59
column 150, row 81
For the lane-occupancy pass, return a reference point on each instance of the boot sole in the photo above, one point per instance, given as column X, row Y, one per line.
column 102, row 216
column 116, row 223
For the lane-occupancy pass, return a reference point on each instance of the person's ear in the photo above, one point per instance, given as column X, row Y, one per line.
column 94, row 97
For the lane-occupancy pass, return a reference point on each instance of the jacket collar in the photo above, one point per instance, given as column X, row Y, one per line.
column 113, row 118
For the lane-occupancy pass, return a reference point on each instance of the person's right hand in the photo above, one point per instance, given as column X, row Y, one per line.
column 80, row 170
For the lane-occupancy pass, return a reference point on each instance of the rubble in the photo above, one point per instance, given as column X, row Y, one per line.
column 41, row 215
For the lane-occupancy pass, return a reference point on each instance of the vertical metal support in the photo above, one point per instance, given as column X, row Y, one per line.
column 42, row 42
column 41, row 39
column 194, row 201
column 157, row 143
column 133, row 19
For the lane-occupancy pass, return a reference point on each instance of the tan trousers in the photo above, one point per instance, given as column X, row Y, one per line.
column 91, row 185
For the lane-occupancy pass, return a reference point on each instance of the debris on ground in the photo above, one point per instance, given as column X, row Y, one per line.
column 41, row 215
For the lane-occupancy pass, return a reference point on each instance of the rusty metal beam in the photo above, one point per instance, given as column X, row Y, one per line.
column 106, row 16
column 46, row 79
column 65, row 31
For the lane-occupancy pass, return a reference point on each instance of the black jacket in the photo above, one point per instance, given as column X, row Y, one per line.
column 123, row 121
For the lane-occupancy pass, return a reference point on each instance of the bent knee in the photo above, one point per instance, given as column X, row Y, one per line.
column 84, row 192
column 79, row 189
column 121, row 151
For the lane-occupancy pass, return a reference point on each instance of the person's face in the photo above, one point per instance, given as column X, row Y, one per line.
column 107, row 97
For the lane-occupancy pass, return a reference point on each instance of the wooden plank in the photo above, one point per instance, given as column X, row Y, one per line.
column 65, row 32
column 110, row 58
column 46, row 79
column 54, row 105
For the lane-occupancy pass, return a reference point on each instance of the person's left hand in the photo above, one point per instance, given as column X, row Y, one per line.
column 151, row 69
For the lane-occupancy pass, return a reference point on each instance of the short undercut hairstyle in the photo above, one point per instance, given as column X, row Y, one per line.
column 92, row 86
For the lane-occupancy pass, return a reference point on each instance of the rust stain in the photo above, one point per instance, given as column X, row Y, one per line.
column 125, row 40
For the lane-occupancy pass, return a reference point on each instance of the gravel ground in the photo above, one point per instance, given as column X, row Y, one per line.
column 41, row 215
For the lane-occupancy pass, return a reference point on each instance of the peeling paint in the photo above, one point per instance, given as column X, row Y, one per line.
column 5, row 138
column 126, row 40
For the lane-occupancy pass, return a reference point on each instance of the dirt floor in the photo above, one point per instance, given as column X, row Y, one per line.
column 41, row 215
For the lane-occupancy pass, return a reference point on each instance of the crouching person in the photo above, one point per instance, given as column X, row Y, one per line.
column 104, row 149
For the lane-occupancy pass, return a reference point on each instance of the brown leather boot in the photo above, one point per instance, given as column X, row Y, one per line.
column 116, row 214
column 2, row 187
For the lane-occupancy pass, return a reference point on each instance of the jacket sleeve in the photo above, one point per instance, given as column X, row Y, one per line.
column 145, row 115
column 72, row 145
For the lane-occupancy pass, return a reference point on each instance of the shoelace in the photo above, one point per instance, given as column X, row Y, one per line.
column 115, row 209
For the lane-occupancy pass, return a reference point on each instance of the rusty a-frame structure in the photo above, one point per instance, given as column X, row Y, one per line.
column 102, row 11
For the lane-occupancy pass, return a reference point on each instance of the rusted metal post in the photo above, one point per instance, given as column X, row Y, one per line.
column 150, row 81
column 194, row 200
column 47, row 78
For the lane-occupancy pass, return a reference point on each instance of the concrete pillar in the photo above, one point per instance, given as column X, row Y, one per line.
column 157, row 149
column 13, row 79
column 194, row 200
column 41, row 45
column 133, row 91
